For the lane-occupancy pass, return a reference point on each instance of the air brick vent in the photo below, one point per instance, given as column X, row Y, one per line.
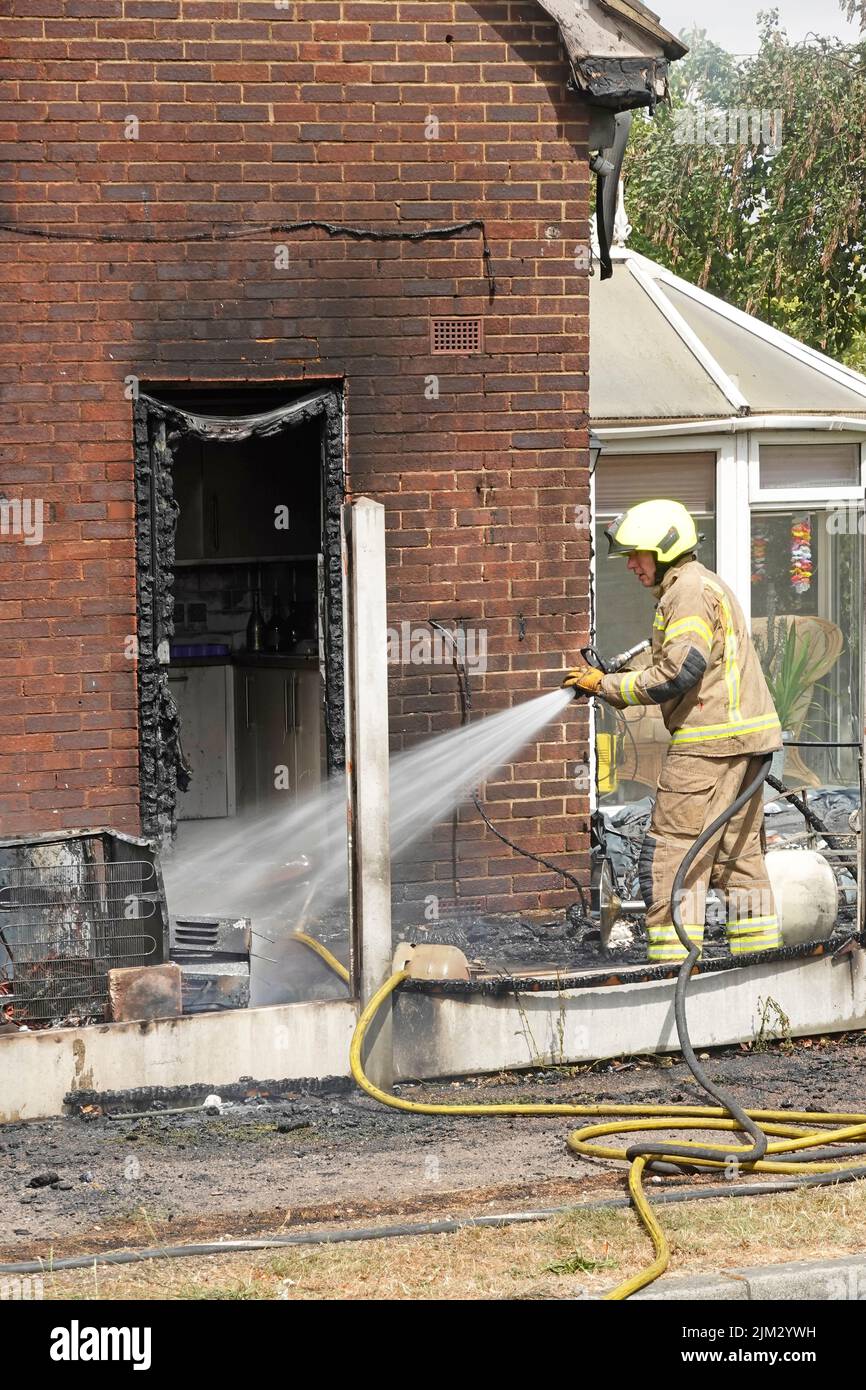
column 456, row 336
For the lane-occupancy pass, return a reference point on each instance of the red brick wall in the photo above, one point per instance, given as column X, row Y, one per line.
column 253, row 114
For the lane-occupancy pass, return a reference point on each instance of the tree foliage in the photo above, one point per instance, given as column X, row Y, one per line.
column 855, row 9
column 772, row 221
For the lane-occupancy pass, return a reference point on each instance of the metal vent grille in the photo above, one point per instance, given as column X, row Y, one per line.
column 62, row 928
column 209, row 938
column 195, row 936
column 457, row 336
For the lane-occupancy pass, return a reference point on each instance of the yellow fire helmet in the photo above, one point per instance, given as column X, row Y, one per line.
column 662, row 527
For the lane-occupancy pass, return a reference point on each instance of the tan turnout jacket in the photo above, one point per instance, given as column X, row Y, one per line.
column 705, row 675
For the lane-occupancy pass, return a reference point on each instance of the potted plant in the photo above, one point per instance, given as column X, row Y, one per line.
column 792, row 675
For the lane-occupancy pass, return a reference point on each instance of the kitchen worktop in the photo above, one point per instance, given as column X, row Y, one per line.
column 290, row 660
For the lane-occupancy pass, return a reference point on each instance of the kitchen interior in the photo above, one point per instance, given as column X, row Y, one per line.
column 245, row 662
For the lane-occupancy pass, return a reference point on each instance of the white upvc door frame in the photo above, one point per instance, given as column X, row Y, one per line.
column 592, row 756
column 844, row 501
column 738, row 494
column 613, row 442
column 738, row 489
column 637, row 441
column 733, row 558
column 733, row 529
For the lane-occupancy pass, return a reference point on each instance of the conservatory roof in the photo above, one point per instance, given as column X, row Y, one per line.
column 663, row 350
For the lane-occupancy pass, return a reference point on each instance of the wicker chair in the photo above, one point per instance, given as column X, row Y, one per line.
column 824, row 642
column 642, row 760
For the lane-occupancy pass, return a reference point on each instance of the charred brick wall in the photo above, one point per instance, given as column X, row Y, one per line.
column 148, row 141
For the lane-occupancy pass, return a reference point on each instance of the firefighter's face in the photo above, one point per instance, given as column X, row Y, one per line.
column 643, row 564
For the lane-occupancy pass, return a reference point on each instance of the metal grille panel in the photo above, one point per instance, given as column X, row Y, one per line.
column 63, row 927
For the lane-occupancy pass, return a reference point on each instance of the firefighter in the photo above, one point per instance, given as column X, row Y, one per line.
column 706, row 679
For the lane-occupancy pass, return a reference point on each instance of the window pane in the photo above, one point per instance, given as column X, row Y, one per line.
column 807, row 595
column 631, row 744
column 810, row 465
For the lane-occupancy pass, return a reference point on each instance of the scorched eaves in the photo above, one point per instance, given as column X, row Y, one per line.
column 619, row 51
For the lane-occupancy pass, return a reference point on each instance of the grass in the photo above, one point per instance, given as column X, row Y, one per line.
column 774, row 1026
column 590, row 1250
column 201, row 1136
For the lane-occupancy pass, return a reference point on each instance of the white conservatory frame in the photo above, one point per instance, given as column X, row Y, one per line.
column 736, row 444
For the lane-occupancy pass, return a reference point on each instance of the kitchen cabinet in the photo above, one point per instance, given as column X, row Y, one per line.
column 252, row 733
column 246, row 748
column 278, row 743
column 188, row 482
column 228, row 496
column 204, row 695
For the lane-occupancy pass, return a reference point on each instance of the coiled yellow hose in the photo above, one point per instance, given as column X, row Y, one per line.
column 801, row 1134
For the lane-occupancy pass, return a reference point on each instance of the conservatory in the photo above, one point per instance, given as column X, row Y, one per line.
column 762, row 438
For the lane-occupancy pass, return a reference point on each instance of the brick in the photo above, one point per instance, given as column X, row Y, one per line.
column 269, row 116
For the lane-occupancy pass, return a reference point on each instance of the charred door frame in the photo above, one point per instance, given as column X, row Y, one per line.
column 157, row 425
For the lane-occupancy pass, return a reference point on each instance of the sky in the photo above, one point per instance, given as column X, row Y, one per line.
column 732, row 22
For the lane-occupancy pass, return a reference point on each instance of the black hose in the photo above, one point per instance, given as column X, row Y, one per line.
column 744, row 1121
column 447, row 1226
column 815, row 822
column 465, row 692
column 537, row 858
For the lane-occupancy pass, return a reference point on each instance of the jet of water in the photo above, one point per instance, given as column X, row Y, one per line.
column 280, row 867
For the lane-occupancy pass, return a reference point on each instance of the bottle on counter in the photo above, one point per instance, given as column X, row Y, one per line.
column 289, row 635
column 291, row 623
column 275, row 629
column 256, row 626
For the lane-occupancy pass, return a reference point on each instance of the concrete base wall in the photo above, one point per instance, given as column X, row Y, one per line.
column 440, row 1037
column 433, row 1036
column 306, row 1040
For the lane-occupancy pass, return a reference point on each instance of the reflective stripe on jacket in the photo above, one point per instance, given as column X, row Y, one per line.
column 705, row 674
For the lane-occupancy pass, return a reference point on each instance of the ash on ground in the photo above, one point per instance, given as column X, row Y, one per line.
column 276, row 1158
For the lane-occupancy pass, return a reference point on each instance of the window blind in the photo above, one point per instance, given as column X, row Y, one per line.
column 626, row 479
column 810, row 465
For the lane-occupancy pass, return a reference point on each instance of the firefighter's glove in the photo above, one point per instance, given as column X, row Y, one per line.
column 583, row 680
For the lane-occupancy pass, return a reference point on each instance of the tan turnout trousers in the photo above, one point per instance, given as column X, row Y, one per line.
column 693, row 790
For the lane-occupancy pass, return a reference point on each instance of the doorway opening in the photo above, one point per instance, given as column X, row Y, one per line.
column 240, row 626
column 239, row 573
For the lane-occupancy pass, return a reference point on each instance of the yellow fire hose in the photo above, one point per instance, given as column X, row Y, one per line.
column 624, row 1119
column 802, row 1134
column 327, row 956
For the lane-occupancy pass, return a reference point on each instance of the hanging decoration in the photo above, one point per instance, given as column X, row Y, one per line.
column 759, row 555
column 801, row 554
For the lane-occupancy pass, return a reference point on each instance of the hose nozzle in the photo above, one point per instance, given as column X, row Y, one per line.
column 617, row 662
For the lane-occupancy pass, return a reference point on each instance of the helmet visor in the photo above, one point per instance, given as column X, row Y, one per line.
column 615, row 547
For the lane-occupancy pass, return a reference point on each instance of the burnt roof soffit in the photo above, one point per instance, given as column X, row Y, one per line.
column 618, row 52
column 621, row 84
